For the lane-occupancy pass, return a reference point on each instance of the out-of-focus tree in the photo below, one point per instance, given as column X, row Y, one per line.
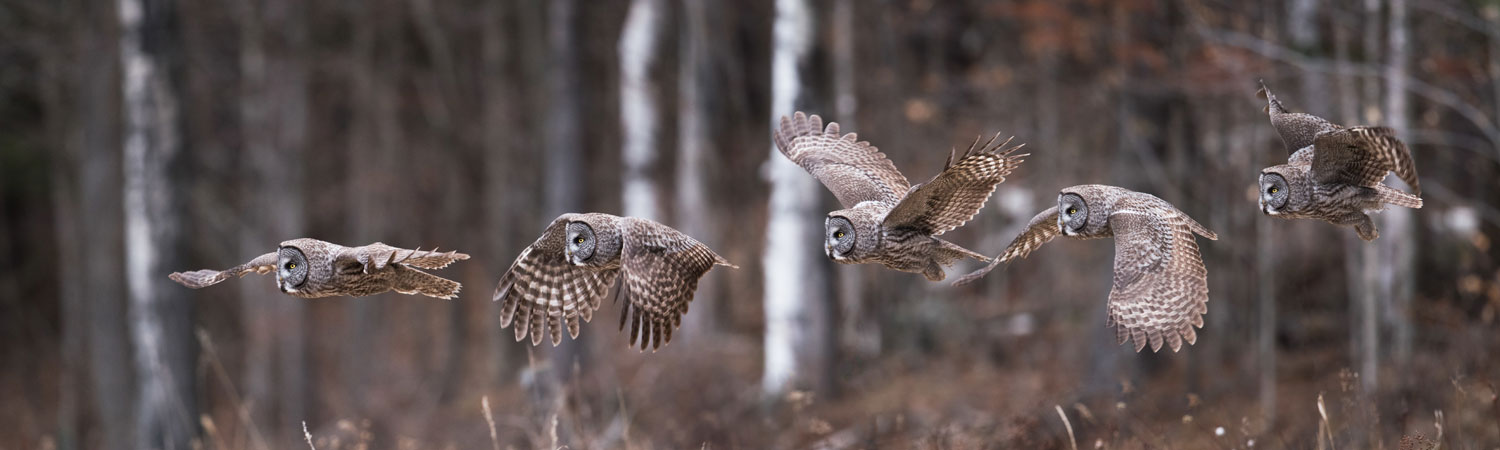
column 161, row 317
column 798, row 344
column 640, row 113
column 273, row 121
column 697, row 150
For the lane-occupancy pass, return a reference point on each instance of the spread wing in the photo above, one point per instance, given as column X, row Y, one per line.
column 853, row 170
column 542, row 290
column 952, row 197
column 1297, row 130
column 662, row 267
column 1160, row 287
column 378, row 255
column 1362, row 156
column 197, row 279
column 1040, row 230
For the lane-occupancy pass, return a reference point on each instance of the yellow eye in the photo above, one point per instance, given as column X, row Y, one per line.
column 1275, row 189
column 579, row 240
column 291, row 265
column 838, row 234
column 1072, row 211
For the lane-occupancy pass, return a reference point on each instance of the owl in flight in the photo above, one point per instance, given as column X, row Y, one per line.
column 562, row 277
column 1334, row 173
column 1160, row 289
column 310, row 268
column 885, row 219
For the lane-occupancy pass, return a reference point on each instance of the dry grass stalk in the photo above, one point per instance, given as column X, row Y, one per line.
column 308, row 436
column 241, row 407
column 1325, row 431
column 1069, row 425
column 488, row 417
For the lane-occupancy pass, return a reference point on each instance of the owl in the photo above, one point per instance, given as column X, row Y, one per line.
column 562, row 277
column 1160, row 289
column 885, row 219
column 1334, row 173
column 310, row 268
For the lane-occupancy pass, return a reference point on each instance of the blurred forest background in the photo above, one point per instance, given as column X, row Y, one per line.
column 141, row 137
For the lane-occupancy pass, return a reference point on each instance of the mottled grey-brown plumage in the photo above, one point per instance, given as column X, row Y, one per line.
column 310, row 268
column 560, row 279
column 886, row 220
column 1334, row 173
column 1160, row 289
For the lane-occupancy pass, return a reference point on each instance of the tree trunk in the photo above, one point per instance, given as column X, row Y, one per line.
column 96, row 352
column 798, row 347
column 505, row 183
column 65, row 132
column 640, row 115
column 564, row 144
column 160, row 314
column 1398, row 256
column 696, row 151
column 1365, row 339
column 273, row 118
column 101, row 223
column 1306, row 36
column 376, row 139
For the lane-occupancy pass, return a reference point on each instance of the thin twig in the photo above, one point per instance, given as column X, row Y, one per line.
column 308, row 436
column 494, row 438
column 1071, row 440
column 1324, row 429
column 1437, row 421
column 234, row 396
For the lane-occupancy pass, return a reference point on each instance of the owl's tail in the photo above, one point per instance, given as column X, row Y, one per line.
column 945, row 255
column 1389, row 195
column 948, row 253
column 412, row 281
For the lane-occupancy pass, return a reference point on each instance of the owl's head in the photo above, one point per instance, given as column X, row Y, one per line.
column 311, row 268
column 291, row 269
column 850, row 235
column 1083, row 211
column 593, row 241
column 1284, row 189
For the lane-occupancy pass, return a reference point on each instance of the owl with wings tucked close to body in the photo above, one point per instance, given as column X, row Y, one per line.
column 1334, row 173
column 310, row 268
column 885, row 219
column 1160, row 289
column 561, row 278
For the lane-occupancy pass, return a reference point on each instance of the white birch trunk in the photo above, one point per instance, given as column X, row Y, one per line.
column 1363, row 256
column 1398, row 265
column 160, row 316
column 693, row 214
column 640, row 118
column 795, row 282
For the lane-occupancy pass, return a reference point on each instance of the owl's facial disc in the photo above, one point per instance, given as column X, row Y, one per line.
column 581, row 243
column 1274, row 193
column 1072, row 214
column 291, row 269
column 839, row 238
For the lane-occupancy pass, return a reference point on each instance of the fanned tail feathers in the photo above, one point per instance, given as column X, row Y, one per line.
column 1389, row 195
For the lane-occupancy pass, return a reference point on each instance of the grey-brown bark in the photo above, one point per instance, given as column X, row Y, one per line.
column 273, row 120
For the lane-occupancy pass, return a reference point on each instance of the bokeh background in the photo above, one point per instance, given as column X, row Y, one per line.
column 140, row 137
